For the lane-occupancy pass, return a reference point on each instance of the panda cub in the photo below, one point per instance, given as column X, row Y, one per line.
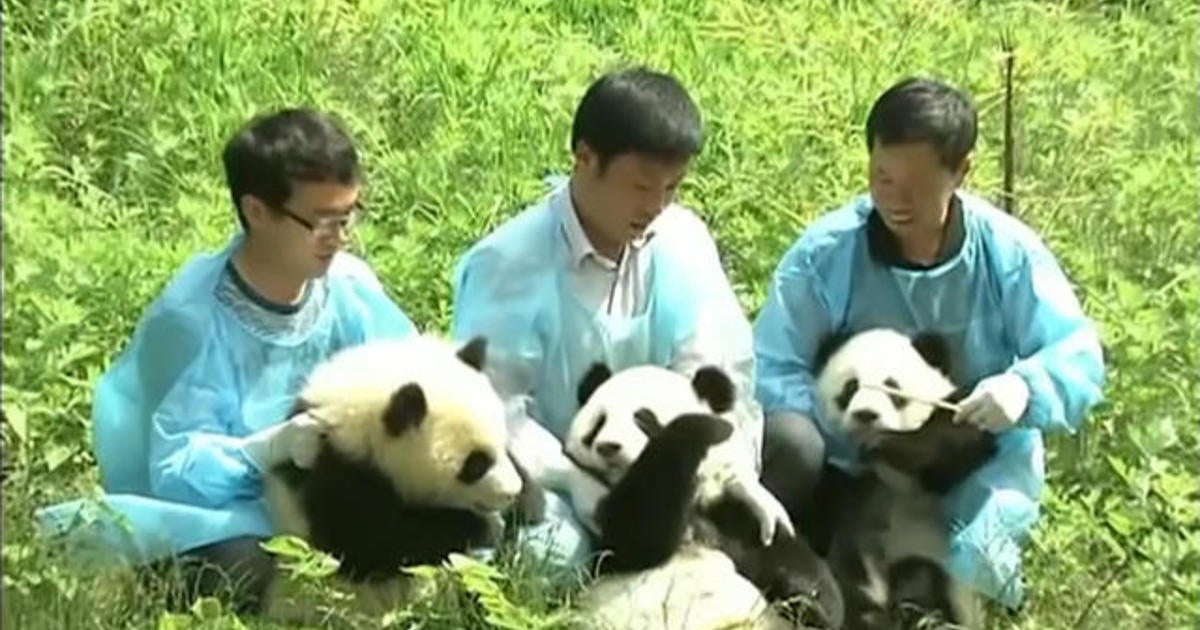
column 412, row 467
column 888, row 542
column 664, row 482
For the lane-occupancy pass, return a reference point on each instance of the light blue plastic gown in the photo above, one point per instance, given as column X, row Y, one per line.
column 171, row 414
column 512, row 287
column 1002, row 302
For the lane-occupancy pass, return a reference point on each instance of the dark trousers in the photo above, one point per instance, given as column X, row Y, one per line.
column 235, row 571
column 793, row 458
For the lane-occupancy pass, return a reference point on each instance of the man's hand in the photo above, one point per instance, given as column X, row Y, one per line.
column 769, row 512
column 302, row 439
column 297, row 439
column 996, row 404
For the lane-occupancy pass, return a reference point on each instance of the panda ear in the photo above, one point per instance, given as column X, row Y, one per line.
column 932, row 347
column 594, row 378
column 474, row 352
column 714, row 387
column 827, row 347
column 406, row 410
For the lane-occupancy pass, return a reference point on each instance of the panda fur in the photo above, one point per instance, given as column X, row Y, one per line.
column 413, row 465
column 678, row 546
column 888, row 542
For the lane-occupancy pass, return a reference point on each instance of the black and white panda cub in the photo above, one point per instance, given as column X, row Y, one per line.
column 413, row 465
column 668, row 482
column 888, row 542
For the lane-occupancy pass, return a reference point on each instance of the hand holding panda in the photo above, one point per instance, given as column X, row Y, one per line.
column 396, row 456
column 996, row 404
column 297, row 439
column 770, row 514
column 884, row 531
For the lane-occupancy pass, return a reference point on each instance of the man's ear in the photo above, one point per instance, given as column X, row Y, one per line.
column 586, row 159
column 255, row 210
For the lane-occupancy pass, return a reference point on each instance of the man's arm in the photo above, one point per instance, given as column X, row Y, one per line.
column 511, row 372
column 193, row 456
column 1062, row 362
column 791, row 324
column 722, row 336
column 534, row 446
column 727, row 345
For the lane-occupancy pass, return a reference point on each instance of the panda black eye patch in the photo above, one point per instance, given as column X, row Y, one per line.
column 477, row 464
column 897, row 401
column 848, row 391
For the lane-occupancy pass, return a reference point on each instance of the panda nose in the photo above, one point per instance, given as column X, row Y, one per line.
column 864, row 416
column 608, row 450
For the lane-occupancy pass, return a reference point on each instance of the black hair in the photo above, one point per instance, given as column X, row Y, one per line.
column 638, row 110
column 925, row 110
column 275, row 149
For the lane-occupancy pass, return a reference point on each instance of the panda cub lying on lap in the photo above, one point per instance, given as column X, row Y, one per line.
column 413, row 465
column 888, row 542
column 666, row 485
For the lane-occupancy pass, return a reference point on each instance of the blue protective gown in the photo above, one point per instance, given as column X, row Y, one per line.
column 1002, row 302
column 512, row 286
column 171, row 414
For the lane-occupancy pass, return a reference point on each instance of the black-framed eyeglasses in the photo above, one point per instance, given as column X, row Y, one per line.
column 327, row 226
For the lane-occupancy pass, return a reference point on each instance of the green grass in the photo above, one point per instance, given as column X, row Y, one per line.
column 115, row 112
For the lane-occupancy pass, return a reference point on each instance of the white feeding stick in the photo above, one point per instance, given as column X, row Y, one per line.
column 948, row 406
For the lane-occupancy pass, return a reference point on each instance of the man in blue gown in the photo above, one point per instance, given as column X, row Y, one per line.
column 607, row 267
column 919, row 254
column 196, row 407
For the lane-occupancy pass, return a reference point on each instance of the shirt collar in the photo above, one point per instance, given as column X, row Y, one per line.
column 882, row 245
column 578, row 244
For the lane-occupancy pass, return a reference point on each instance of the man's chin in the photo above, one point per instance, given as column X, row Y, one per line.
column 320, row 267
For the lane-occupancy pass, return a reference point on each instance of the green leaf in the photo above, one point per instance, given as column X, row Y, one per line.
column 14, row 416
column 174, row 621
column 207, row 608
column 56, row 455
column 300, row 559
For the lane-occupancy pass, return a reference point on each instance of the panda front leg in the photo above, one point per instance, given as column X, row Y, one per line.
column 939, row 455
column 643, row 520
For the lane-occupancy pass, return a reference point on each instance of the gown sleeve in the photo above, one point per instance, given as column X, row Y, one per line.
column 490, row 302
column 193, row 456
column 793, row 318
column 1062, row 360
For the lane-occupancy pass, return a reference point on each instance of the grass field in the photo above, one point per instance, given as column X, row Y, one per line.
column 115, row 112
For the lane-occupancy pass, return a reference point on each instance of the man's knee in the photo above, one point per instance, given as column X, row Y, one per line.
column 793, row 456
column 792, row 437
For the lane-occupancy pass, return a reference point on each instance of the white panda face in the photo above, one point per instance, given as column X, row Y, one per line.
column 848, row 385
column 605, row 436
column 427, row 417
